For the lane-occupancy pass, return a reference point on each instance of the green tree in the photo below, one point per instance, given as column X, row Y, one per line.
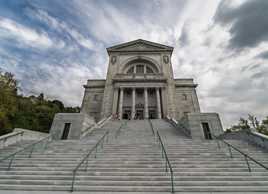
column 33, row 112
column 8, row 102
column 251, row 123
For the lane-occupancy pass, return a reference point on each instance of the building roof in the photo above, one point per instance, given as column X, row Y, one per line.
column 139, row 45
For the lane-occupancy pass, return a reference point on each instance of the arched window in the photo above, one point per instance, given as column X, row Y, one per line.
column 140, row 66
column 140, row 69
column 149, row 70
column 131, row 70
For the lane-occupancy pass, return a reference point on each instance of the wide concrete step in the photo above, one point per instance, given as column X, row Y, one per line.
column 142, row 169
column 135, row 178
column 136, row 173
column 136, row 188
column 148, row 165
column 148, row 182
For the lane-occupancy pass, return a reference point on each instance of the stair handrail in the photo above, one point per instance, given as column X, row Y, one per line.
column 164, row 155
column 246, row 156
column 118, row 131
column 168, row 165
column 30, row 146
column 86, row 157
column 152, row 128
column 179, row 125
column 89, row 130
column 4, row 138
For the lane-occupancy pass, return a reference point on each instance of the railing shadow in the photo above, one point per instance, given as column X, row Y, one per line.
column 232, row 148
column 29, row 148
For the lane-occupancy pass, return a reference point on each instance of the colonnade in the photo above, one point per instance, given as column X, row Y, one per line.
column 133, row 104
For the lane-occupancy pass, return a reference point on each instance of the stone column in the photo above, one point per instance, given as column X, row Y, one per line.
column 115, row 100
column 133, row 103
column 146, row 115
column 158, row 103
column 121, row 103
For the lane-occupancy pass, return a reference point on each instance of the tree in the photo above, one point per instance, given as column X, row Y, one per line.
column 8, row 103
column 33, row 112
column 251, row 123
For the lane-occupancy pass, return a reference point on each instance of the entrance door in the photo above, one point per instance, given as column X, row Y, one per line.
column 66, row 131
column 152, row 114
column 206, row 130
column 127, row 114
column 139, row 114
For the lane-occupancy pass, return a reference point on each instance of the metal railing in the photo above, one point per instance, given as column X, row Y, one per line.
column 4, row 138
column 152, row 128
column 179, row 126
column 85, row 159
column 89, row 130
column 246, row 156
column 30, row 147
column 118, row 131
column 164, row 155
column 168, row 165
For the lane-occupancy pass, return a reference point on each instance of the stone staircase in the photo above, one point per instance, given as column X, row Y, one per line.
column 131, row 162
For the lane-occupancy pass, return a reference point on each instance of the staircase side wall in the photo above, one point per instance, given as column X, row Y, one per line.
column 79, row 122
column 195, row 124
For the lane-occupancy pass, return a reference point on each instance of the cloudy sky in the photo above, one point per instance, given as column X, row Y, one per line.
column 54, row 46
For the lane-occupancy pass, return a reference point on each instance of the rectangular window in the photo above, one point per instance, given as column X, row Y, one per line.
column 140, row 69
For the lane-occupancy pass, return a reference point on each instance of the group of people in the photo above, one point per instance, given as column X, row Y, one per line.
column 117, row 117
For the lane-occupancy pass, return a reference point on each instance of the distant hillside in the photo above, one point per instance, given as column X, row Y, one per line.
column 32, row 112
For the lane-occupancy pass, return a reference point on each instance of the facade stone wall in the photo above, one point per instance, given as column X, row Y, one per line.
column 93, row 98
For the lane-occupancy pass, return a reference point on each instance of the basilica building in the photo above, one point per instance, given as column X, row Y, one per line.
column 140, row 85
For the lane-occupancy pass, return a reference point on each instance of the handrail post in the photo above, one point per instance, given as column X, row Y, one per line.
column 21, row 135
column 72, row 187
column 96, row 152
column 230, row 151
column 87, row 163
column 30, row 155
column 218, row 143
column 10, row 162
column 172, row 181
column 166, row 165
column 249, row 169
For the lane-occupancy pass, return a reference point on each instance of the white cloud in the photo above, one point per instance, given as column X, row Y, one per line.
column 11, row 29
column 62, row 27
column 231, row 83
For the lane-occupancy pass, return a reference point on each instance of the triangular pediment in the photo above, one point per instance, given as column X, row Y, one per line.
column 140, row 45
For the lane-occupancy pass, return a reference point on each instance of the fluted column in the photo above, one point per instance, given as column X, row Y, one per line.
column 133, row 103
column 158, row 104
column 121, row 103
column 146, row 115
